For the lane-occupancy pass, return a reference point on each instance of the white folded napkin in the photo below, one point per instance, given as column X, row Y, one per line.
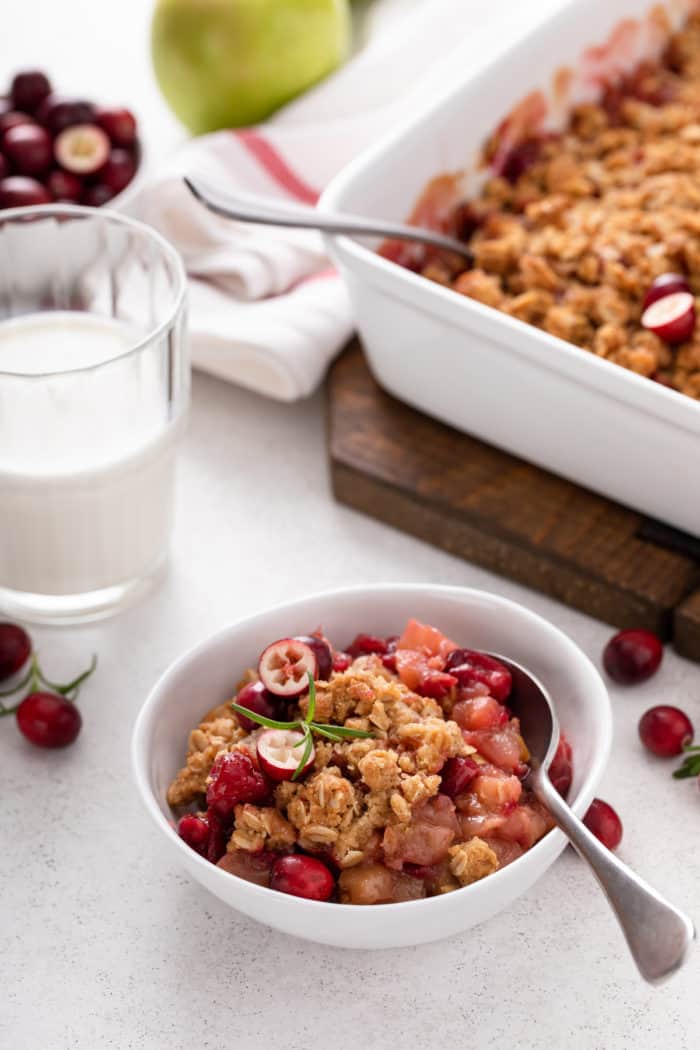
column 266, row 309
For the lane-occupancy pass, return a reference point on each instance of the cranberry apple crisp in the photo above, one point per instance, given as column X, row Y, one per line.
column 592, row 234
column 387, row 772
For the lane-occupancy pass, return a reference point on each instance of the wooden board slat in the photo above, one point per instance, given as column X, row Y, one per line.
column 486, row 506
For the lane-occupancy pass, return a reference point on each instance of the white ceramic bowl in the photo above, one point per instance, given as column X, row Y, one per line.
column 203, row 677
column 489, row 374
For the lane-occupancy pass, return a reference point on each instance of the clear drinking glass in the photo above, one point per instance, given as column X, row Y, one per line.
column 94, row 392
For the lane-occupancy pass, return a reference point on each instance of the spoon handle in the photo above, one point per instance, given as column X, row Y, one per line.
column 247, row 207
column 658, row 934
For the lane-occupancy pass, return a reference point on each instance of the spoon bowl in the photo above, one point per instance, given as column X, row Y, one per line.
column 658, row 934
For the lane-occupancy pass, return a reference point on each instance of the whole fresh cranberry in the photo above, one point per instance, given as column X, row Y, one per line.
column 13, row 119
column 665, row 730
column 15, row 649
column 457, row 774
column 234, row 779
column 96, row 195
column 302, row 876
column 255, row 697
column 119, row 124
column 29, row 149
column 19, row 191
column 119, row 170
column 48, row 720
column 29, row 89
column 604, row 822
column 561, row 768
column 64, row 186
column 57, row 113
column 632, row 656
column 194, row 830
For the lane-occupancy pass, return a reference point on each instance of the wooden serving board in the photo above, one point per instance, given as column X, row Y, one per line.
column 495, row 510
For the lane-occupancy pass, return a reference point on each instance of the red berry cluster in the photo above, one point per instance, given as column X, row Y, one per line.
column 59, row 149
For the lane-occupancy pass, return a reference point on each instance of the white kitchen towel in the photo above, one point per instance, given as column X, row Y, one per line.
column 266, row 309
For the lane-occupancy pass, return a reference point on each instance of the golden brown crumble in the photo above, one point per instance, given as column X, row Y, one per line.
column 571, row 238
column 472, row 860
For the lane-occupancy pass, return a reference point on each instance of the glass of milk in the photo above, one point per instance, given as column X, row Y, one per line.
column 94, row 392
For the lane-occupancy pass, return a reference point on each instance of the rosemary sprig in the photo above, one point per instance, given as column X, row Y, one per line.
column 691, row 763
column 306, row 726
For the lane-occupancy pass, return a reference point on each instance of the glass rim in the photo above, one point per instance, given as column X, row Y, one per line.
column 167, row 249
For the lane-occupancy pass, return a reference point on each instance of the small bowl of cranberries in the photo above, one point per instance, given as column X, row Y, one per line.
column 55, row 148
column 295, row 885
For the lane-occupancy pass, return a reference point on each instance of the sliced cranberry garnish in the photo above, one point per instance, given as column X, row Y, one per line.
column 82, row 149
column 48, row 720
column 28, row 147
column 561, row 768
column 341, row 661
column 671, row 318
column 604, row 822
column 63, row 186
column 457, row 774
column 665, row 284
column 632, row 656
column 469, row 667
column 120, row 125
column 302, row 876
column 285, row 667
column 194, row 831
column 19, row 191
column 234, row 779
column 29, row 89
column 665, row 730
column 280, row 752
column 15, row 649
column 255, row 697
column 364, row 644
column 323, row 651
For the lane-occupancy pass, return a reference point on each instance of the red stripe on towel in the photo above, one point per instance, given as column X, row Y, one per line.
column 276, row 166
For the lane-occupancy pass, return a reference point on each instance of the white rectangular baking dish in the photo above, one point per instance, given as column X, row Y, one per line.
column 488, row 374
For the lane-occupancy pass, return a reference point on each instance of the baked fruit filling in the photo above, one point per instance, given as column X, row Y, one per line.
column 389, row 771
column 592, row 234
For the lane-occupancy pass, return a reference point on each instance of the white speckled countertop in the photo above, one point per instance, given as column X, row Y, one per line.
column 106, row 945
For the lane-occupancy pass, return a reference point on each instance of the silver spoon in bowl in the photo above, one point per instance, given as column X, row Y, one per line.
column 247, row 207
column 658, row 934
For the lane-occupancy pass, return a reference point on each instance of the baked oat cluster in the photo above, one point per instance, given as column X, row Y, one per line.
column 575, row 229
column 387, row 772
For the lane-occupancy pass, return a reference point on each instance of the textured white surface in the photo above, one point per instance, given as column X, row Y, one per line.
column 105, row 946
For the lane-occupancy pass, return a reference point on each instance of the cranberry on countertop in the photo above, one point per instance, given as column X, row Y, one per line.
column 604, row 822
column 633, row 655
column 48, row 720
column 15, row 649
column 665, row 730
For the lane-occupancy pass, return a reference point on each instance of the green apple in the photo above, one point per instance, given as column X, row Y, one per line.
column 230, row 63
